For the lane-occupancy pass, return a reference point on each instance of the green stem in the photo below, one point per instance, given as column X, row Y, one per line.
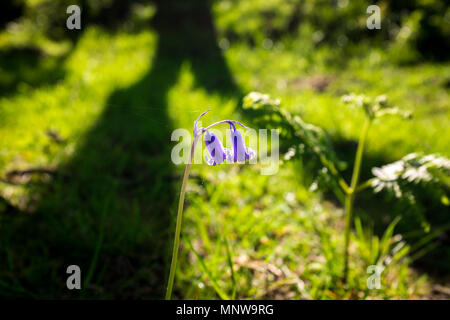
column 350, row 196
column 176, row 242
column 364, row 185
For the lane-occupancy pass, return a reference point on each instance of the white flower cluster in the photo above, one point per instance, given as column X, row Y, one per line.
column 412, row 168
column 257, row 100
column 374, row 107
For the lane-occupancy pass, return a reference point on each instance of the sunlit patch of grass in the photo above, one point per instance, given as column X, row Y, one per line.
column 99, row 65
column 186, row 101
column 423, row 89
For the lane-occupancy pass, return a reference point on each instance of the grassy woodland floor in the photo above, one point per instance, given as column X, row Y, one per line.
column 101, row 127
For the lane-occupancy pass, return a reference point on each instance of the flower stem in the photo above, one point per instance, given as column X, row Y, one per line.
column 350, row 194
column 364, row 185
column 176, row 242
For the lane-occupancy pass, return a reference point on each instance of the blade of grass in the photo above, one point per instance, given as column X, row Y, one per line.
column 205, row 269
column 385, row 241
column 426, row 249
column 429, row 237
column 97, row 249
column 230, row 265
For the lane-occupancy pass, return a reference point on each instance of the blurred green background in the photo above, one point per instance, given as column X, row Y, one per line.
column 86, row 118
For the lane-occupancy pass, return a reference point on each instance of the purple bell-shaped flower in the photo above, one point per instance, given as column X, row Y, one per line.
column 215, row 148
column 218, row 153
column 240, row 153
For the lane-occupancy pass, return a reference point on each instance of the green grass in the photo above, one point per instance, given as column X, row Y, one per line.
column 284, row 243
column 108, row 208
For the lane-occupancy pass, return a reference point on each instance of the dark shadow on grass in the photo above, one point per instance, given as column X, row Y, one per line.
column 30, row 67
column 109, row 208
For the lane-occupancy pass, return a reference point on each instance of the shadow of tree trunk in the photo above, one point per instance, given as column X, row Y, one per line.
column 109, row 208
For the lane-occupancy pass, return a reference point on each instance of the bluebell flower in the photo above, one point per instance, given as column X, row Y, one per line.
column 215, row 148
column 239, row 153
column 218, row 155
